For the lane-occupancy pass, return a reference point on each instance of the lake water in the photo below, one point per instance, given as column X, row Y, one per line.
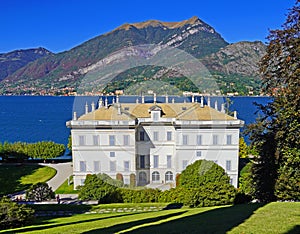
column 43, row 118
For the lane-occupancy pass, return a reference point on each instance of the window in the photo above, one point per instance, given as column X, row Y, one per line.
column 142, row 135
column 199, row 140
column 112, row 166
column 112, row 154
column 112, row 140
column 215, row 140
column 155, row 176
column 231, row 181
column 228, row 165
column 96, row 140
column 155, row 136
column 82, row 181
column 82, row 166
column 169, row 161
column 155, row 161
column 126, row 139
column 142, row 178
column 126, row 165
column 198, row 153
column 81, row 140
column 184, row 164
column 169, row 136
column 169, row 176
column 142, row 161
column 229, row 139
column 184, row 139
column 155, row 116
column 96, row 166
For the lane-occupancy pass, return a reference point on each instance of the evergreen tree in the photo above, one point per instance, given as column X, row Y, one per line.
column 277, row 131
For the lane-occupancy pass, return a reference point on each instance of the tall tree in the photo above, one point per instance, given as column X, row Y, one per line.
column 278, row 130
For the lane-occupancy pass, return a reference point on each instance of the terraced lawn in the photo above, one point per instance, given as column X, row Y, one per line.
column 252, row 218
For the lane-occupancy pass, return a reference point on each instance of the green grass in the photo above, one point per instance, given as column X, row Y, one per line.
column 252, row 218
column 18, row 177
column 64, row 188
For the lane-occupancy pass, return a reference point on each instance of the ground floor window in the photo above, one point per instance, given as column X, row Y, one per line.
column 142, row 177
column 155, row 176
column 169, row 176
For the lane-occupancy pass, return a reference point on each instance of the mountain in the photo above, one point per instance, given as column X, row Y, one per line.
column 12, row 61
column 64, row 72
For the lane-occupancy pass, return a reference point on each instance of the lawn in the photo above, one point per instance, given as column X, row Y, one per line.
column 18, row 177
column 252, row 218
column 66, row 189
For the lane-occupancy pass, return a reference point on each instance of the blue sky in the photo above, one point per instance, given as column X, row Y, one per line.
column 59, row 25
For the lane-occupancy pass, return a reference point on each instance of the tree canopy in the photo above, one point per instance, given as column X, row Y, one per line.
column 277, row 131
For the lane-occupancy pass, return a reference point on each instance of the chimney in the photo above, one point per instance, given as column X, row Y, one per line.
column 202, row 102
column 74, row 115
column 235, row 115
column 208, row 101
column 143, row 98
column 93, row 106
column 106, row 103
column 167, row 98
column 216, row 105
column 223, row 108
column 86, row 108
column 154, row 98
column 100, row 103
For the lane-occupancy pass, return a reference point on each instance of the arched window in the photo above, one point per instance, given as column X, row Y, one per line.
column 169, row 176
column 155, row 176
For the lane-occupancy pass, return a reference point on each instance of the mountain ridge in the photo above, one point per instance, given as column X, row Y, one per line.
column 67, row 68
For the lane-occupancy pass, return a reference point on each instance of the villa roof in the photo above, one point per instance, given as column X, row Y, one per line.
column 179, row 111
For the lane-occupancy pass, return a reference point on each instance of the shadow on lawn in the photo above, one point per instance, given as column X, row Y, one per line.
column 218, row 220
column 46, row 225
column 10, row 175
column 124, row 226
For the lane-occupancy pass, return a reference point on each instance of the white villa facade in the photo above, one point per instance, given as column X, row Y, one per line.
column 152, row 142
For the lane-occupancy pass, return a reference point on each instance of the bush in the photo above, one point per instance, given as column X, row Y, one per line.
column 139, row 196
column 246, row 180
column 14, row 215
column 40, row 192
column 95, row 188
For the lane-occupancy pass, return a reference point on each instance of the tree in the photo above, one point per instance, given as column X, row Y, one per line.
column 277, row 131
column 40, row 192
column 14, row 215
column 243, row 148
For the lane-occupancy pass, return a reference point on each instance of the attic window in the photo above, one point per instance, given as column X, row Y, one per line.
column 126, row 108
column 184, row 108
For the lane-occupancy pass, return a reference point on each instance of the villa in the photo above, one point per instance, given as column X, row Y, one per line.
column 150, row 143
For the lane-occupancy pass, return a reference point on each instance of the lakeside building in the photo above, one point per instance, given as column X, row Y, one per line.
column 150, row 143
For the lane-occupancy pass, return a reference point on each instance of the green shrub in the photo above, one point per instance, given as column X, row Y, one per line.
column 40, row 192
column 139, row 196
column 14, row 215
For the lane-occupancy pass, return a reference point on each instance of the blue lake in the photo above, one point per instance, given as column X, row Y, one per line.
column 43, row 118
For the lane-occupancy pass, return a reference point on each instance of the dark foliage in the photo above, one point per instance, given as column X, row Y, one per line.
column 40, row 192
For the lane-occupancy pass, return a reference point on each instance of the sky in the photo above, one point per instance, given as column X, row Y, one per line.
column 59, row 25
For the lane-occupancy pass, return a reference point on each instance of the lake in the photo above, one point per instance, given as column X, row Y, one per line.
column 43, row 118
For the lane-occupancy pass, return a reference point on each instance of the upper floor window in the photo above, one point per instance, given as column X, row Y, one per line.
column 96, row 166
column 142, row 135
column 155, row 116
column 228, row 165
column 185, row 139
column 112, row 154
column 142, row 161
column 96, row 140
column 126, row 165
column 184, row 164
column 198, row 153
column 112, row 140
column 155, row 161
column 229, row 139
column 126, row 139
column 169, row 161
column 112, row 166
column 199, row 140
column 155, row 136
column 169, row 136
column 81, row 140
column 82, row 166
column 215, row 140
